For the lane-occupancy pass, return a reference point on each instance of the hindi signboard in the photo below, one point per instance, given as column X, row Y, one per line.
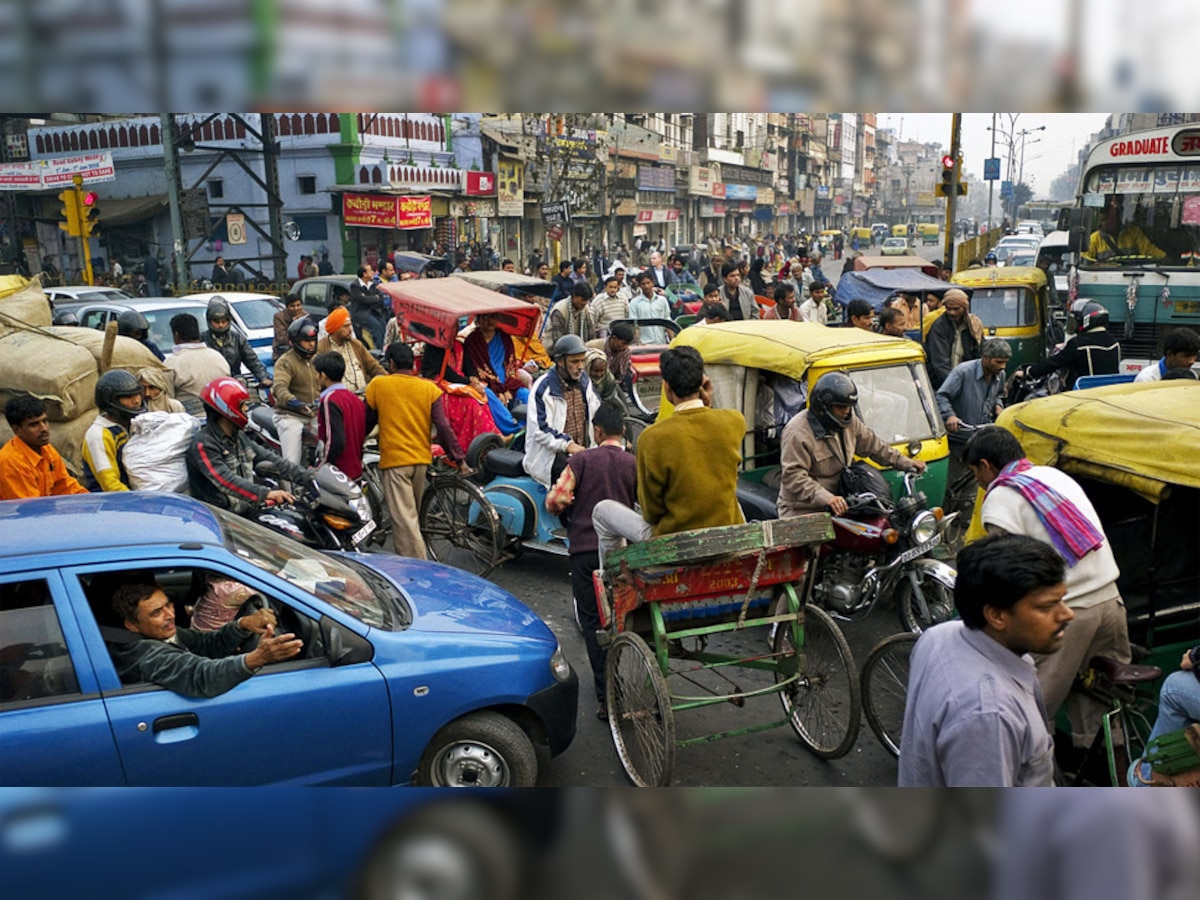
column 414, row 212
column 369, row 210
column 511, row 188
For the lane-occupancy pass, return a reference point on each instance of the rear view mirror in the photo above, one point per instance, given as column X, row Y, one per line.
column 1076, row 240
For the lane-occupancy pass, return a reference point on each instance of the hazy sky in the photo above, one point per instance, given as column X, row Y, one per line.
column 1047, row 153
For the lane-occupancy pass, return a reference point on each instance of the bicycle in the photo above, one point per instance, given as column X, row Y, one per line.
column 1123, row 687
column 959, row 502
column 883, row 685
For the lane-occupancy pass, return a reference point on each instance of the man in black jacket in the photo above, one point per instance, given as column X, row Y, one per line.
column 950, row 340
column 1093, row 351
column 368, row 308
column 231, row 343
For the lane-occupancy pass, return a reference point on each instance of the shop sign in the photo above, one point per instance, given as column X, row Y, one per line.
column 718, row 190
column 740, row 191
column 701, row 180
column 369, row 210
column 656, row 178
column 766, row 196
column 414, row 212
column 657, row 215
column 510, row 189
column 480, row 184
column 712, row 208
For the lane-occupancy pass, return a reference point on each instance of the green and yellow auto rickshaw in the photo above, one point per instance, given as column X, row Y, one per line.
column 766, row 369
column 1013, row 304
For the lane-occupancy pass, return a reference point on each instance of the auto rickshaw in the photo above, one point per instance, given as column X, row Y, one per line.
column 877, row 286
column 900, row 230
column 825, row 239
column 1013, row 304
column 766, row 369
column 422, row 264
column 928, row 233
column 862, row 232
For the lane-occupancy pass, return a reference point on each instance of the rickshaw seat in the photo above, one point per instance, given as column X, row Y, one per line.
column 757, row 500
column 506, row 463
column 1124, row 673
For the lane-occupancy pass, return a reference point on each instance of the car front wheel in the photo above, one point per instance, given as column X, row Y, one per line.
column 483, row 749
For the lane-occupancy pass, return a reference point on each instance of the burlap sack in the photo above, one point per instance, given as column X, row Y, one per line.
column 58, row 371
column 27, row 305
column 65, row 437
column 127, row 353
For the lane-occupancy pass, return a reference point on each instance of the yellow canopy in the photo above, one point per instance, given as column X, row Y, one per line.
column 1139, row 436
column 791, row 348
column 995, row 276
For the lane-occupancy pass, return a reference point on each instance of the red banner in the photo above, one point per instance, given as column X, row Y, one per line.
column 481, row 184
column 369, row 210
column 415, row 212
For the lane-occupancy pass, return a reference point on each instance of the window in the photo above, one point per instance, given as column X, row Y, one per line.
column 895, row 403
column 308, row 184
column 312, row 228
column 313, row 294
column 34, row 661
column 95, row 318
column 216, row 189
column 1004, row 307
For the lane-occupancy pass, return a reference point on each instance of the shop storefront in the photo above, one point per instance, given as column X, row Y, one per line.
column 376, row 224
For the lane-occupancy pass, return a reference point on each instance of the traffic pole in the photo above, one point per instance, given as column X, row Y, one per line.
column 85, row 250
column 952, row 196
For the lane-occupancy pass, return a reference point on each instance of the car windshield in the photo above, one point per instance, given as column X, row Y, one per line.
column 896, row 402
column 100, row 296
column 1009, row 307
column 160, row 324
column 354, row 591
column 258, row 312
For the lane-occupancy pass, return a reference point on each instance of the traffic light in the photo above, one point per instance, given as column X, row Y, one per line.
column 69, row 214
column 89, row 214
column 949, row 184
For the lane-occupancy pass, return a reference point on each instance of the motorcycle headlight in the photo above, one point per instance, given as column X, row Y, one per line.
column 559, row 667
column 924, row 527
column 361, row 508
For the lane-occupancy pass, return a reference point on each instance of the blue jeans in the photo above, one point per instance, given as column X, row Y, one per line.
column 1178, row 706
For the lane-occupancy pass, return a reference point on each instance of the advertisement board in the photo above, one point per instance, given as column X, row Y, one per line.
column 510, row 189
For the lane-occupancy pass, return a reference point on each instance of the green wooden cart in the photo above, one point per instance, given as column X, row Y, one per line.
column 660, row 601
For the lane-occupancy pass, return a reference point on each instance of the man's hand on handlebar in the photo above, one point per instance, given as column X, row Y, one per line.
column 838, row 506
column 918, row 465
column 277, row 498
column 952, row 424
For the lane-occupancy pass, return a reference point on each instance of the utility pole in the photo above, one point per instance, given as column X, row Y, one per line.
column 992, row 183
column 952, row 196
column 178, row 243
column 274, row 204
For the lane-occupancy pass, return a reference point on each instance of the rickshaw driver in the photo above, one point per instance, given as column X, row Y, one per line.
column 821, row 443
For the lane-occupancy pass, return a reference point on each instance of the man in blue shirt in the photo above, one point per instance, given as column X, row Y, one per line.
column 970, row 395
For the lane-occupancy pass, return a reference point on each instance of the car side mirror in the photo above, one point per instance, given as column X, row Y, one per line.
column 344, row 648
column 1076, row 240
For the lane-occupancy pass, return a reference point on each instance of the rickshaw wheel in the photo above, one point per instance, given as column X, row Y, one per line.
column 633, row 430
column 885, row 688
column 460, row 525
column 824, row 705
column 639, row 712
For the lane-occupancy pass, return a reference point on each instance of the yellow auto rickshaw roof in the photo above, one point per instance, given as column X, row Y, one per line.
column 791, row 348
column 1139, row 436
column 1006, row 276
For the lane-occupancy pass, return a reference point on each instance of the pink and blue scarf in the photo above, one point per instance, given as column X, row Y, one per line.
column 1072, row 535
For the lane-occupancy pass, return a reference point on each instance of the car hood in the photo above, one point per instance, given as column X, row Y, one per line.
column 445, row 599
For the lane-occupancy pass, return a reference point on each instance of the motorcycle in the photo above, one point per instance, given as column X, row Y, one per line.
column 334, row 514
column 881, row 549
column 1022, row 387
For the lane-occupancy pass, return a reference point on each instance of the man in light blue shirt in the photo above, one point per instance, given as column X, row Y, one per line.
column 974, row 715
column 970, row 395
column 649, row 305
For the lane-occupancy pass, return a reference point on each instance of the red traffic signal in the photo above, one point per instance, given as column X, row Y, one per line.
column 947, row 161
column 91, row 198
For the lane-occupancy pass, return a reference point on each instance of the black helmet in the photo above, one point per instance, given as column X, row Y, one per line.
column 833, row 389
column 130, row 322
column 1088, row 314
column 218, row 308
column 567, row 345
column 113, row 385
column 302, row 330
column 66, row 317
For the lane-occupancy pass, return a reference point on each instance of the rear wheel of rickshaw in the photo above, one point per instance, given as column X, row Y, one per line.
column 460, row 525
column 633, row 430
column 885, row 688
column 823, row 705
column 639, row 712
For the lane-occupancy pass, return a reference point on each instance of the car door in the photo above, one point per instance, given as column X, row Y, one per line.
column 53, row 725
column 297, row 722
column 315, row 295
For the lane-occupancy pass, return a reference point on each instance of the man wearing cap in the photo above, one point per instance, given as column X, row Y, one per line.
column 361, row 366
column 953, row 339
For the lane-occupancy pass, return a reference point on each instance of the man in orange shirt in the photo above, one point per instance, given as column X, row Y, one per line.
column 29, row 466
column 407, row 406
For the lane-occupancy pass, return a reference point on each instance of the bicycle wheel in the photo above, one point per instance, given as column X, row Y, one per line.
column 885, row 688
column 823, row 705
column 639, row 712
column 373, row 489
column 460, row 525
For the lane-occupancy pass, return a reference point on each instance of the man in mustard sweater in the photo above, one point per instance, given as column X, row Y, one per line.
column 687, row 465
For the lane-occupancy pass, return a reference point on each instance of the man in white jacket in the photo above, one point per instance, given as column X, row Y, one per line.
column 558, row 422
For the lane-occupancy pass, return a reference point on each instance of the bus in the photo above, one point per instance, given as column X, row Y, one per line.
column 1136, row 227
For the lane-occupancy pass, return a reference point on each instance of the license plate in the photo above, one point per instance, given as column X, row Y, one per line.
column 362, row 534
column 920, row 550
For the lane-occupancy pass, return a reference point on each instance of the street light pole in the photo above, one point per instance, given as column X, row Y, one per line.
column 992, row 183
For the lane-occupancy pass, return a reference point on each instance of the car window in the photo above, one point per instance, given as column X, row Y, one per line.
column 374, row 602
column 34, row 661
column 160, row 324
column 896, row 403
column 94, row 318
column 258, row 312
column 1004, row 307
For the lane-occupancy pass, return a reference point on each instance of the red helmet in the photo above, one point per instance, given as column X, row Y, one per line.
column 226, row 397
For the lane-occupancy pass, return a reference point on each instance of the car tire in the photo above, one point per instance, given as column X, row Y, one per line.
column 482, row 749
column 453, row 849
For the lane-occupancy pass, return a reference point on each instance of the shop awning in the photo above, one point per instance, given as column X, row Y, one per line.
column 131, row 209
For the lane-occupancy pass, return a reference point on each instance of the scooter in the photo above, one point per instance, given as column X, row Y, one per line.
column 334, row 514
column 880, row 549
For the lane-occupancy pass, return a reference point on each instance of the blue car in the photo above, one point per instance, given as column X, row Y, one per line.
column 411, row 671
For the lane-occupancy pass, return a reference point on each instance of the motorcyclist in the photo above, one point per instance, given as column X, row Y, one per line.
column 296, row 389
column 559, row 417
column 821, row 443
column 132, row 324
column 220, row 460
column 1093, row 351
column 231, row 343
column 119, row 398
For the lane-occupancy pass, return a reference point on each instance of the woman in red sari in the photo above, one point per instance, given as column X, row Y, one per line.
column 463, row 396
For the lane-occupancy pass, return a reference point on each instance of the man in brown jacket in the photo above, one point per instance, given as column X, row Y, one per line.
column 361, row 366
column 296, row 391
column 821, row 443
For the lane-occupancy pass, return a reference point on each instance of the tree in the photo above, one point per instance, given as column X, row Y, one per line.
column 1022, row 194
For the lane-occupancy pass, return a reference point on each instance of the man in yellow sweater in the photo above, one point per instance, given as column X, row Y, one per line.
column 408, row 407
column 687, row 465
